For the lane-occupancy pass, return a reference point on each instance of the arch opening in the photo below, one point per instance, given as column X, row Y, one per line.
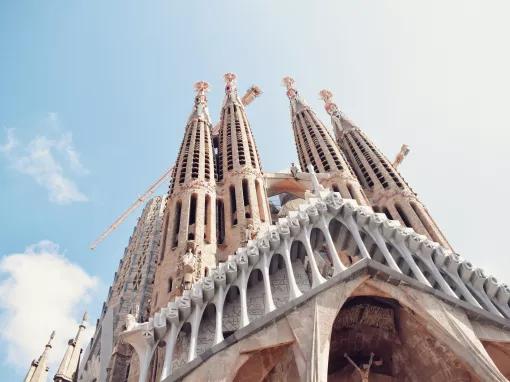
column 255, row 295
column 300, row 266
column 346, row 248
column 231, row 311
column 279, row 280
column 207, row 329
column 321, row 253
column 403, row 347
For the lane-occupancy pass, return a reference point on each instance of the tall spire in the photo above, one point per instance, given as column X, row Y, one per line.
column 297, row 103
column 386, row 189
column 317, row 148
column 231, row 94
column 339, row 121
column 200, row 110
column 189, row 230
column 243, row 210
column 69, row 365
column 38, row 371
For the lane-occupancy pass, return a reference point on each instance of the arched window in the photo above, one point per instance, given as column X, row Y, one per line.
column 192, row 217
column 403, row 216
column 233, row 205
column 170, row 281
column 207, row 219
column 177, row 224
column 246, row 199
column 220, row 221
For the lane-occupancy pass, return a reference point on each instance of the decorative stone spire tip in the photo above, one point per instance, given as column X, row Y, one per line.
column 289, row 82
column 330, row 106
column 201, row 87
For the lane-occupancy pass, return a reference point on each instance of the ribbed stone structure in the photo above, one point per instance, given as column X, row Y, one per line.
column 386, row 189
column 242, row 202
column 189, row 231
column 316, row 147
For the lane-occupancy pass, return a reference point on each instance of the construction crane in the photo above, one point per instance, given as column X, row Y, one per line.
column 404, row 150
column 252, row 93
column 142, row 198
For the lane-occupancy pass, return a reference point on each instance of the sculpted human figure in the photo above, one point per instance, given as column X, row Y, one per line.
column 366, row 367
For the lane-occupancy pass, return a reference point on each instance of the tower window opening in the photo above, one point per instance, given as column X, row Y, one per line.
column 246, row 193
column 403, row 216
column 177, row 224
column 170, row 281
column 220, row 221
column 233, row 205
column 207, row 219
column 192, row 217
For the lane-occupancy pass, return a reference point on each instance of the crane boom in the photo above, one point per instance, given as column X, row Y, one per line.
column 133, row 207
column 404, row 150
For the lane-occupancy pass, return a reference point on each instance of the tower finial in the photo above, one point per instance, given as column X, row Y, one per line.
column 200, row 108
column 289, row 82
column 201, row 87
column 330, row 106
column 297, row 103
column 230, row 78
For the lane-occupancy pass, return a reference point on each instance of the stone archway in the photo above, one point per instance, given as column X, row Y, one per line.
column 124, row 364
column 275, row 363
column 403, row 348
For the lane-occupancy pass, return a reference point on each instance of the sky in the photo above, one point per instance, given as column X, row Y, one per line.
column 94, row 97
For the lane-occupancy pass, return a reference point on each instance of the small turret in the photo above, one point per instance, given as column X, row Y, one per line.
column 69, row 365
column 38, row 371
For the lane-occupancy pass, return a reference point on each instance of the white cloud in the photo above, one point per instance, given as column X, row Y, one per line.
column 43, row 158
column 41, row 291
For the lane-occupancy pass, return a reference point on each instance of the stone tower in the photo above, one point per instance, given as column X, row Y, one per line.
column 316, row 147
column 189, row 232
column 106, row 358
column 68, row 369
column 38, row 371
column 386, row 189
column 242, row 204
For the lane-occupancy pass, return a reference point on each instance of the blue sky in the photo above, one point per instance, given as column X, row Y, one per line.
column 94, row 96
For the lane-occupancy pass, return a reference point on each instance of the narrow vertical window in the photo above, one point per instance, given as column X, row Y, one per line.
column 177, row 224
column 246, row 199
column 246, row 193
column 192, row 217
column 220, row 221
column 260, row 201
column 170, row 281
column 403, row 216
column 233, row 205
column 207, row 219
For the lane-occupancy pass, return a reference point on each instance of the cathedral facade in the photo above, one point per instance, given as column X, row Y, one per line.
column 332, row 271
